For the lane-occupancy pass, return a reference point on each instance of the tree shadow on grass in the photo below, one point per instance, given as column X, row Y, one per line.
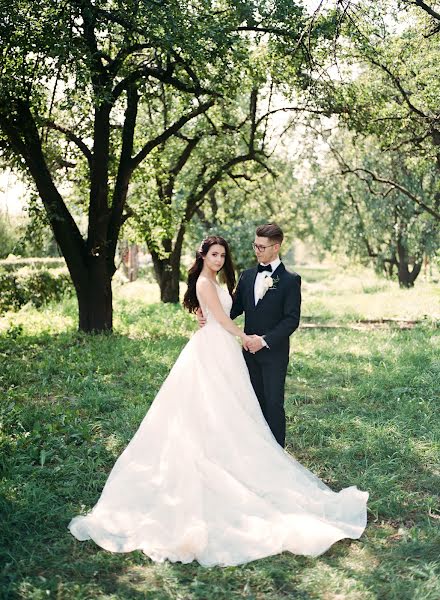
column 366, row 418
column 402, row 565
column 72, row 403
column 80, row 400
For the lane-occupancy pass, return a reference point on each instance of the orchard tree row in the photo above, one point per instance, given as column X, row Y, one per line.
column 156, row 116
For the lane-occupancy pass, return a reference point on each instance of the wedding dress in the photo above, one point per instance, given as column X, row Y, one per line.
column 204, row 479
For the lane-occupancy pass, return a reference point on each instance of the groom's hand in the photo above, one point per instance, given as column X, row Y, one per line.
column 200, row 318
column 245, row 342
column 255, row 343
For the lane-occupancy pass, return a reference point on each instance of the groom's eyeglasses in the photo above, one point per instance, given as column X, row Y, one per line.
column 261, row 248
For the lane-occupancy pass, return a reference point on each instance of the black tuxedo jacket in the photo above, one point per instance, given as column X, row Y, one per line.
column 277, row 314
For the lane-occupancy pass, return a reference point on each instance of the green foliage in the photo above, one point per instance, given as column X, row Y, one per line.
column 360, row 410
column 37, row 238
column 35, row 286
column 387, row 84
column 26, row 235
column 398, row 89
column 239, row 204
column 344, row 209
column 194, row 49
column 14, row 263
column 75, row 76
column 8, row 236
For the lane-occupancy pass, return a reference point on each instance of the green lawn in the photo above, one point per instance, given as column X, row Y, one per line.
column 362, row 408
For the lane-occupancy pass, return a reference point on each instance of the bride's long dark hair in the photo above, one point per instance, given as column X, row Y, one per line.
column 227, row 274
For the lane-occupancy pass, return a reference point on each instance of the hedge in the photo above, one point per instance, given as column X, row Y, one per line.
column 36, row 286
column 16, row 263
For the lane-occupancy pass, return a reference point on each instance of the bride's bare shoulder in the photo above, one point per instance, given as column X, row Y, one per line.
column 205, row 286
column 203, row 283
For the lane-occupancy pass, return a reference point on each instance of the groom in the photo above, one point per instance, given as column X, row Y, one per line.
column 270, row 298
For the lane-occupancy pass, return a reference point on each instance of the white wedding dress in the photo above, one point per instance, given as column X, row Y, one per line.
column 204, row 479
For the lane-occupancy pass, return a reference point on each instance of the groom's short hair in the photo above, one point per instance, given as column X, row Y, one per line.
column 271, row 231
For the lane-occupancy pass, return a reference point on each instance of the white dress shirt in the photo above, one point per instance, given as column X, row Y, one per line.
column 274, row 264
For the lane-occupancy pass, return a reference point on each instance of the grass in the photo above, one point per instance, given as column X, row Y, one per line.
column 352, row 294
column 362, row 408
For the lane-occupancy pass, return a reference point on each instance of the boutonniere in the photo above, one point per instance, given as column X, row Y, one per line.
column 268, row 283
column 274, row 281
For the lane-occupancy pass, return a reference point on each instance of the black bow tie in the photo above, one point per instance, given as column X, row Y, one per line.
column 262, row 268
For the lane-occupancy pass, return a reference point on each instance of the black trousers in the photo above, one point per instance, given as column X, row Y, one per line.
column 267, row 371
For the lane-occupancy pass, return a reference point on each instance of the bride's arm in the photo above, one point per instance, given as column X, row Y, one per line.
column 208, row 294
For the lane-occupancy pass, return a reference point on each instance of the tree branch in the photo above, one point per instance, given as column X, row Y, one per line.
column 116, row 63
column 399, row 86
column 253, row 114
column 315, row 111
column 428, row 9
column 394, row 185
column 136, row 160
column 196, row 200
column 180, row 163
column 266, row 167
column 260, row 29
column 190, row 71
column 98, row 70
column 124, row 171
column 166, row 185
column 345, row 168
column 21, row 130
column 161, row 75
column 72, row 137
column 416, row 140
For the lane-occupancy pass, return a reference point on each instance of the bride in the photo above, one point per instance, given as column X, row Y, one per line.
column 203, row 478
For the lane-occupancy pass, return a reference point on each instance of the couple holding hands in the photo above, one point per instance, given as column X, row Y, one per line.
column 206, row 476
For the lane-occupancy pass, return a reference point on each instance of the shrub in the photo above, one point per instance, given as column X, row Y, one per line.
column 10, row 294
column 14, row 263
column 36, row 286
column 8, row 235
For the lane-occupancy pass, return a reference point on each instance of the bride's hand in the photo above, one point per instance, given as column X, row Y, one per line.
column 200, row 318
column 245, row 340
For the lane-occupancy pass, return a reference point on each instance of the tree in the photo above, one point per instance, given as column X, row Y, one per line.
column 416, row 5
column 73, row 75
column 181, row 173
column 241, row 202
column 367, row 218
column 387, row 85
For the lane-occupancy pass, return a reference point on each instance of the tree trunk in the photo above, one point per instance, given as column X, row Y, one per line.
column 167, row 270
column 405, row 276
column 167, row 277
column 95, row 299
column 169, row 286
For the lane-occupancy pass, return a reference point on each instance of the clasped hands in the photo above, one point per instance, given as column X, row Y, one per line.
column 251, row 343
